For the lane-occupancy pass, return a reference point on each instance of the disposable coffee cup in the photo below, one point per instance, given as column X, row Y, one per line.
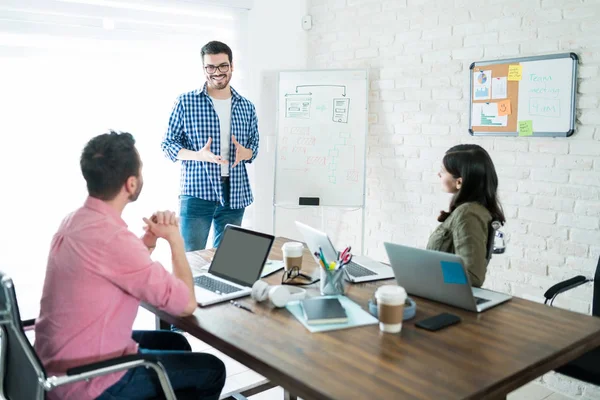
column 390, row 307
column 292, row 255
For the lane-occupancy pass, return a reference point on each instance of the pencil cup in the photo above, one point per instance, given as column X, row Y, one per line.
column 332, row 282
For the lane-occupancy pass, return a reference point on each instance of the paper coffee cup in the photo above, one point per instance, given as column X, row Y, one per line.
column 390, row 307
column 292, row 255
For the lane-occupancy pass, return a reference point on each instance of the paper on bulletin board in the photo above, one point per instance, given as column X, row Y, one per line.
column 499, row 88
column 526, row 128
column 482, row 85
column 515, row 72
column 486, row 114
column 504, row 107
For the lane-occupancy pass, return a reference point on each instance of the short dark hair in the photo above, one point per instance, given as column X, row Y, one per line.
column 479, row 179
column 107, row 161
column 215, row 47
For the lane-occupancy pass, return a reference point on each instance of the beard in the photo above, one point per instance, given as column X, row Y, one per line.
column 219, row 84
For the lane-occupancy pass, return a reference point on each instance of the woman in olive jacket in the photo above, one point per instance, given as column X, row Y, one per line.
column 468, row 172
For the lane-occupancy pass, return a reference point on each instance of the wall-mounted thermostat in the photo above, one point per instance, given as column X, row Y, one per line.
column 306, row 22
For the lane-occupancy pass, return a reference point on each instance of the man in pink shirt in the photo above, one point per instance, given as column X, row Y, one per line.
column 98, row 273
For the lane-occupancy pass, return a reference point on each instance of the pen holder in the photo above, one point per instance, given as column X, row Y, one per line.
column 333, row 282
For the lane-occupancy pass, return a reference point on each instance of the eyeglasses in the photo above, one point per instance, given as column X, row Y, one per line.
column 211, row 69
column 294, row 277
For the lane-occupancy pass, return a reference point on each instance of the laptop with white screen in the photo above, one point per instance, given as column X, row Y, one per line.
column 237, row 264
column 360, row 269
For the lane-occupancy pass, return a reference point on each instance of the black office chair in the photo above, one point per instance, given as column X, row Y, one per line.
column 22, row 375
column 587, row 367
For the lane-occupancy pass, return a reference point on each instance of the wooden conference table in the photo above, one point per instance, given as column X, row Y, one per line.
column 486, row 356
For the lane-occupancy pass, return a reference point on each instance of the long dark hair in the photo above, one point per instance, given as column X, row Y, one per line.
column 479, row 180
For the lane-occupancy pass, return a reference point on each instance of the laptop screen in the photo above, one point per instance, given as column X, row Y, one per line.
column 241, row 255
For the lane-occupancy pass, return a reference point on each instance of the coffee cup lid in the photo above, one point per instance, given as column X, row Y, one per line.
column 390, row 293
column 293, row 245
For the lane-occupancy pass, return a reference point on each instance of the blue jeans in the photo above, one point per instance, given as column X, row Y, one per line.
column 192, row 375
column 197, row 215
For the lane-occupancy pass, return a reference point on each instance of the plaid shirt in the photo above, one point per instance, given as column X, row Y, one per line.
column 193, row 120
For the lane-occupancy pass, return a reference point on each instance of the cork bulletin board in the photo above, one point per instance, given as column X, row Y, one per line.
column 529, row 96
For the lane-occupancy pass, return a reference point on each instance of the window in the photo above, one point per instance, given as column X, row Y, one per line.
column 72, row 69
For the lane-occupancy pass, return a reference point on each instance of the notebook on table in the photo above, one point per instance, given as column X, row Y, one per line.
column 323, row 310
column 357, row 317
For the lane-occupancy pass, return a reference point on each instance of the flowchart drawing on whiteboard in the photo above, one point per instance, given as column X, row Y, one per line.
column 345, row 154
column 321, row 138
column 340, row 110
column 298, row 105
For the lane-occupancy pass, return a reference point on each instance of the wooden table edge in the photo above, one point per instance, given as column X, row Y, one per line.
column 501, row 389
column 289, row 383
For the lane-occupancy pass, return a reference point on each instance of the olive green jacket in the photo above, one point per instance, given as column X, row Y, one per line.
column 465, row 234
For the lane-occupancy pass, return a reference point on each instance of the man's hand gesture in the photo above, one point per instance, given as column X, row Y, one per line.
column 241, row 153
column 206, row 155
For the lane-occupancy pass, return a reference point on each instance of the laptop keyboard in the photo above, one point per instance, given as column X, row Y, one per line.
column 214, row 285
column 479, row 300
column 358, row 271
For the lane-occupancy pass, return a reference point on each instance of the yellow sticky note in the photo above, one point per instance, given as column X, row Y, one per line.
column 526, row 128
column 515, row 72
column 504, row 107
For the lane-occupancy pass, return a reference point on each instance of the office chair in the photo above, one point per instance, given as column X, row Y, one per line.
column 22, row 375
column 493, row 232
column 587, row 367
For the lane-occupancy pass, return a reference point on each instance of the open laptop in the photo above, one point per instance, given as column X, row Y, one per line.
column 439, row 276
column 360, row 269
column 237, row 264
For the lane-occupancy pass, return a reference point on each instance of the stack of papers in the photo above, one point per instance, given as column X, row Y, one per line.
column 271, row 266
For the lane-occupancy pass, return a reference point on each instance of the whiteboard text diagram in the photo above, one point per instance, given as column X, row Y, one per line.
column 343, row 155
column 298, row 105
column 296, row 131
column 340, row 110
column 335, row 157
column 352, row 176
column 316, row 160
column 544, row 107
column 547, row 103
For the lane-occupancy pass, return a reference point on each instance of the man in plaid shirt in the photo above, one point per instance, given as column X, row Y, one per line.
column 214, row 132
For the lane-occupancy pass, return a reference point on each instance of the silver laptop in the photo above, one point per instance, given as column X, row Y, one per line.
column 439, row 276
column 360, row 269
column 237, row 264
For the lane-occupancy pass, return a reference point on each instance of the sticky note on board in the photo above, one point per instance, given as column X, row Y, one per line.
column 526, row 128
column 453, row 273
column 504, row 107
column 515, row 72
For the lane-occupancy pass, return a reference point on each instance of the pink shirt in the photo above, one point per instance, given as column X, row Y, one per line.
column 98, row 272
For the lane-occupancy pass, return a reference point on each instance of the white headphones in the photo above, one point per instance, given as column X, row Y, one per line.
column 279, row 295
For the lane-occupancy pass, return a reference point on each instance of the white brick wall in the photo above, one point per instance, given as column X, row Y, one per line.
column 418, row 53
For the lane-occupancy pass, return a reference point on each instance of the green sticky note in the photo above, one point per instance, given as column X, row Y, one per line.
column 525, row 128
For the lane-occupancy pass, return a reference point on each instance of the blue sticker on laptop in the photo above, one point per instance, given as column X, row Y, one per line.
column 453, row 273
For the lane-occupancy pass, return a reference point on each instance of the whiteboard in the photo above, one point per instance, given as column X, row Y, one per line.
column 544, row 95
column 321, row 137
